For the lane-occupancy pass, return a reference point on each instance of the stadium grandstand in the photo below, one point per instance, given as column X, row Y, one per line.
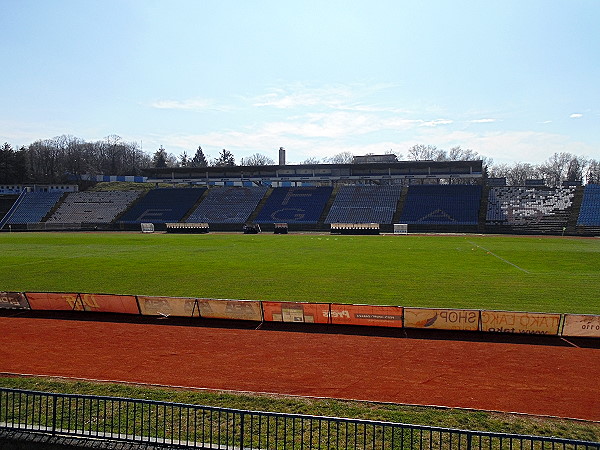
column 163, row 205
column 423, row 196
column 365, row 204
column 93, row 207
column 442, row 205
column 228, row 205
column 295, row 205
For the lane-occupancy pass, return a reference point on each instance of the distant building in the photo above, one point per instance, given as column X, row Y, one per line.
column 501, row 181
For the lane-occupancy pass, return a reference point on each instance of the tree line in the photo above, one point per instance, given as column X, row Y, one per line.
column 65, row 158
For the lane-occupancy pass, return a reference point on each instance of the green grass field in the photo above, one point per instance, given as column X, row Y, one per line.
column 550, row 274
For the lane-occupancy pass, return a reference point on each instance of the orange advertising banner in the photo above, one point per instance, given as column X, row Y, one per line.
column 60, row 301
column 581, row 325
column 230, row 309
column 54, row 301
column 123, row 304
column 441, row 319
column 519, row 322
column 13, row 300
column 380, row 316
column 296, row 312
column 168, row 306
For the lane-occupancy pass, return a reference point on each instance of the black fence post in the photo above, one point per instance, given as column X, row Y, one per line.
column 241, row 431
column 54, row 412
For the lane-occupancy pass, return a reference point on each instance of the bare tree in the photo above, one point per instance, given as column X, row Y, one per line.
column 499, row 171
column 421, row 152
column 592, row 174
column 257, row 160
column 521, row 172
column 398, row 155
column 556, row 168
column 340, row 158
column 311, row 160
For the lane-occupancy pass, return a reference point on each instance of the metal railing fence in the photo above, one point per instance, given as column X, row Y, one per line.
column 206, row 427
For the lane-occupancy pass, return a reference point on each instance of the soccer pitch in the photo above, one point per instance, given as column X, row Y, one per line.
column 548, row 274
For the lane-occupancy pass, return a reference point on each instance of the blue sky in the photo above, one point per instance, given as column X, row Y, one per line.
column 512, row 80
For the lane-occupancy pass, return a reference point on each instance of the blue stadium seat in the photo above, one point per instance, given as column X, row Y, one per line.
column 455, row 204
column 34, row 206
column 163, row 205
column 295, row 205
column 364, row 204
column 589, row 214
column 228, row 205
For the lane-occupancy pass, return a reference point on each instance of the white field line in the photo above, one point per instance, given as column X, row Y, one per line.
column 499, row 257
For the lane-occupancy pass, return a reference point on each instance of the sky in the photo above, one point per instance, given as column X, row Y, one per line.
column 514, row 80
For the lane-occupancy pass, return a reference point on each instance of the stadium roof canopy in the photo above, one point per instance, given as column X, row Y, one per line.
column 321, row 173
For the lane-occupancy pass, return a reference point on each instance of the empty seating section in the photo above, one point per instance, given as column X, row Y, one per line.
column 93, row 207
column 589, row 214
column 529, row 206
column 6, row 203
column 228, row 205
column 34, row 207
column 442, row 205
column 364, row 204
column 294, row 205
column 163, row 205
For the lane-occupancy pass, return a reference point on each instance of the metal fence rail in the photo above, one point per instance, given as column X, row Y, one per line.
column 205, row 427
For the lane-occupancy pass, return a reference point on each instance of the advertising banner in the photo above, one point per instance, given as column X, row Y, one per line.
column 124, row 304
column 13, row 300
column 519, row 322
column 441, row 319
column 379, row 316
column 54, row 301
column 230, row 309
column 581, row 325
column 168, row 306
column 296, row 312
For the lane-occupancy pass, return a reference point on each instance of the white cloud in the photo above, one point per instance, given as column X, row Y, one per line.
column 510, row 146
column 24, row 133
column 196, row 104
column 483, row 121
column 341, row 97
column 576, row 116
column 436, row 122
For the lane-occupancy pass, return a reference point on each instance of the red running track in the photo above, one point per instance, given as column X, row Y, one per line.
column 534, row 379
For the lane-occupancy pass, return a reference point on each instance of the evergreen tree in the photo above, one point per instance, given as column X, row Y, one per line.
column 185, row 161
column 199, row 160
column 225, row 159
column 160, row 158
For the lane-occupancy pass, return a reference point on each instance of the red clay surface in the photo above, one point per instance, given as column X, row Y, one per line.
column 534, row 379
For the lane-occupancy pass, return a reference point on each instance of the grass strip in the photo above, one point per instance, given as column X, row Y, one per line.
column 416, row 415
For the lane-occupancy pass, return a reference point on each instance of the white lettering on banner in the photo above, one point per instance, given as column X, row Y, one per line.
column 337, row 314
